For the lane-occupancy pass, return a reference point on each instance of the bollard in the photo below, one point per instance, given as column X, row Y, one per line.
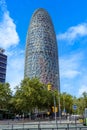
column 12, row 126
column 76, row 126
column 38, row 126
column 67, row 126
column 23, row 126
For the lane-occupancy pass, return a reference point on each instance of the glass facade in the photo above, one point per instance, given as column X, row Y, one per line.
column 41, row 55
column 3, row 64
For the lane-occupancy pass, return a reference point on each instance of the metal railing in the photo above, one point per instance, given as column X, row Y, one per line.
column 60, row 124
column 43, row 126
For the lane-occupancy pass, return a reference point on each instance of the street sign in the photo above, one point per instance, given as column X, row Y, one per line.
column 64, row 110
column 74, row 107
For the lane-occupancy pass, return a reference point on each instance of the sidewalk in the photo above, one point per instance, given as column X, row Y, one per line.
column 24, row 121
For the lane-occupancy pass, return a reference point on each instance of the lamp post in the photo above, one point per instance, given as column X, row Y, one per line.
column 55, row 107
column 50, row 89
column 59, row 105
column 58, row 82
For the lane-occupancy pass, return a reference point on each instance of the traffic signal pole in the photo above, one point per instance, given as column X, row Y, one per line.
column 50, row 89
column 55, row 107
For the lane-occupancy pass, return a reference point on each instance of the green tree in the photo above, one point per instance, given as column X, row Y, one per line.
column 30, row 95
column 66, row 102
column 5, row 95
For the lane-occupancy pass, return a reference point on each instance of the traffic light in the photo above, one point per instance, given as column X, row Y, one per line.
column 54, row 109
column 49, row 87
column 48, row 113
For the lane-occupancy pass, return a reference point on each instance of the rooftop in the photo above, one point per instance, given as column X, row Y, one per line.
column 2, row 50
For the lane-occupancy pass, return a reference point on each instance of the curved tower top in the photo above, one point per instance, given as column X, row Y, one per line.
column 41, row 55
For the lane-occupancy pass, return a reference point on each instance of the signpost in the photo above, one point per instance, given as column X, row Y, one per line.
column 85, row 117
column 74, row 107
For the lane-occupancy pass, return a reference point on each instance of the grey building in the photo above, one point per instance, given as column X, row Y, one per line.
column 3, row 64
column 41, row 54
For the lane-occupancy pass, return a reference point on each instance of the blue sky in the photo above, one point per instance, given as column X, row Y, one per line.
column 70, row 22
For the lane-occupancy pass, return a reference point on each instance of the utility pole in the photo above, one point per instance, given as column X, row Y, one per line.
column 55, row 107
column 50, row 89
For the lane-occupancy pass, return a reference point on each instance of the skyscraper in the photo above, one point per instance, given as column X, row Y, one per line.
column 41, row 55
column 3, row 64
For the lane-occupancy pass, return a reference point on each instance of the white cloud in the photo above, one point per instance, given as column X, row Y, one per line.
column 8, row 40
column 82, row 89
column 15, row 68
column 74, row 33
column 8, row 34
column 3, row 5
column 69, row 66
column 73, row 74
column 82, row 83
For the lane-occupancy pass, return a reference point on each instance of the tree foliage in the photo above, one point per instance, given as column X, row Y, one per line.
column 66, row 103
column 33, row 95
column 5, row 95
column 30, row 95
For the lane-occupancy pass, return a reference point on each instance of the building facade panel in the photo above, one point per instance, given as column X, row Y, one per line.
column 41, row 58
column 3, row 64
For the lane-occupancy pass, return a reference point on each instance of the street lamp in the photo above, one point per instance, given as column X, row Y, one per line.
column 59, row 105
column 58, row 81
column 54, row 107
column 50, row 89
